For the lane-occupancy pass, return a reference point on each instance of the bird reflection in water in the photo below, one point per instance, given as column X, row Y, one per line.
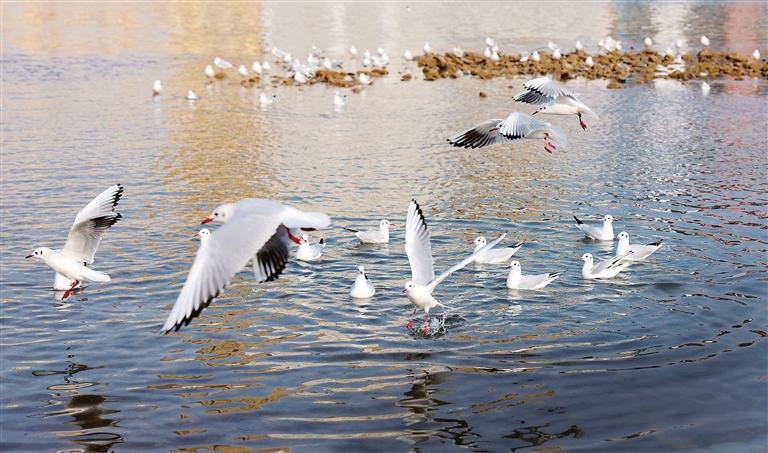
column 422, row 404
column 535, row 436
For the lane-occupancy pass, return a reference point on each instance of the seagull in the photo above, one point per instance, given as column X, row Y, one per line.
column 204, row 234
column 427, row 48
column 639, row 251
column 380, row 236
column 487, row 52
column 307, row 252
column 589, row 61
column 255, row 230
column 338, row 99
column 704, row 41
column 365, row 79
column 458, row 52
column 553, row 99
column 408, row 55
column 363, row 288
column 257, row 68
column 679, row 44
column 556, row 54
column 579, row 46
column 157, row 87
column 209, row 72
column 299, row 77
column 608, row 268
column 648, row 42
column 516, row 279
column 495, row 56
column 552, row 46
column 72, row 261
column 243, row 71
column 491, row 255
column 353, row 50
column 423, row 281
column 223, row 64
column 756, row 54
column 601, row 233
column 705, row 87
column 265, row 100
column 191, row 96
column 266, row 66
column 535, row 56
column 489, row 41
column 516, row 126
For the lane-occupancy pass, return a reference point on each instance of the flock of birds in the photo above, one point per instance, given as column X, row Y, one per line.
column 263, row 232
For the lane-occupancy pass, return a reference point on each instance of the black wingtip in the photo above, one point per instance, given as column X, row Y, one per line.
column 350, row 229
column 577, row 220
column 657, row 243
column 555, row 274
column 518, row 245
column 322, row 240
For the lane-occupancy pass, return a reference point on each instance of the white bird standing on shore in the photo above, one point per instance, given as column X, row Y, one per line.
column 380, row 236
column 556, row 55
column 257, row 68
column 648, row 42
column 589, row 61
column 157, row 87
column 265, row 100
column 608, row 268
column 756, row 54
column 255, row 230
column 72, row 261
column 209, row 72
column 191, row 96
column 554, row 99
column 704, row 41
column 223, row 64
column 408, row 55
column 535, row 56
column 516, row 279
column 493, row 255
column 362, row 288
column 339, row 99
column 427, row 48
column 516, row 126
column 603, row 232
column 353, row 50
column 639, row 251
column 243, row 71
column 307, row 251
column 579, row 46
column 364, row 78
column 419, row 250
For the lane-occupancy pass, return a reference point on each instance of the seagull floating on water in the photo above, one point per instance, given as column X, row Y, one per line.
column 516, row 279
column 639, row 252
column 362, row 288
column 516, row 126
column 157, row 87
column 608, row 268
column 353, row 50
column 493, row 255
column 419, row 250
column 309, row 252
column 553, row 98
column 255, row 230
column 72, row 261
column 603, row 232
column 380, row 236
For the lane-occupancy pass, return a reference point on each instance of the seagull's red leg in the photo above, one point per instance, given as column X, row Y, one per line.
column 69, row 291
column 425, row 327
column 581, row 122
column 409, row 324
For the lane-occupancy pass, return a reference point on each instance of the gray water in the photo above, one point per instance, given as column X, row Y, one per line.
column 669, row 356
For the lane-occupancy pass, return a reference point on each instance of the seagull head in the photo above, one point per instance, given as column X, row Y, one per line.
column 409, row 285
column 39, row 253
column 220, row 214
column 480, row 241
column 608, row 219
column 514, row 265
column 384, row 224
column 361, row 270
column 587, row 257
column 203, row 234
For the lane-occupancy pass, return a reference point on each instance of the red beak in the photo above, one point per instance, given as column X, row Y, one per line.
column 206, row 220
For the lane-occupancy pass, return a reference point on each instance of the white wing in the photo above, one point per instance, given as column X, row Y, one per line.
column 433, row 284
column 484, row 134
column 519, row 125
column 417, row 246
column 541, row 91
column 610, row 263
column 91, row 223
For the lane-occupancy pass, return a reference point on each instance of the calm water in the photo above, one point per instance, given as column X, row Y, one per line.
column 667, row 357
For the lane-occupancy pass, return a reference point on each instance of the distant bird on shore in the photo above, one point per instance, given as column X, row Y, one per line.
column 516, row 126
column 407, row 55
column 265, row 100
column 209, row 72
column 254, row 230
column 157, row 87
column 72, row 261
column 353, row 50
column 579, row 46
column 604, row 232
column 648, row 42
column 704, row 41
column 364, row 78
column 589, row 61
column 339, row 99
column 257, row 68
column 553, row 98
column 427, row 48
column 223, row 64
column 756, row 54
column 243, row 71
column 191, row 96
column 705, row 88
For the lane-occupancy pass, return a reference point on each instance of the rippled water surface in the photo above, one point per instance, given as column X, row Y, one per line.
column 670, row 356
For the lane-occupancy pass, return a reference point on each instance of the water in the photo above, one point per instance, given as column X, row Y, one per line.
column 667, row 357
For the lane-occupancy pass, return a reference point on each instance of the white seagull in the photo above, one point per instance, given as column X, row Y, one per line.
column 243, row 71
column 408, row 55
column 191, row 96
column 265, row 100
column 603, row 232
column 209, row 72
column 380, row 236
column 589, row 61
column 427, row 48
column 204, row 234
column 362, row 288
column 223, row 64
column 339, row 99
column 71, row 262
column 255, row 230
column 352, row 50
column 639, row 252
column 648, row 42
column 704, row 41
column 579, row 46
column 423, row 281
column 157, row 87
column 491, row 255
column 608, row 268
column 553, row 98
column 516, row 126
column 705, row 87
column 257, row 68
column 307, row 252
column 364, row 78
column 516, row 279
column 756, row 54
